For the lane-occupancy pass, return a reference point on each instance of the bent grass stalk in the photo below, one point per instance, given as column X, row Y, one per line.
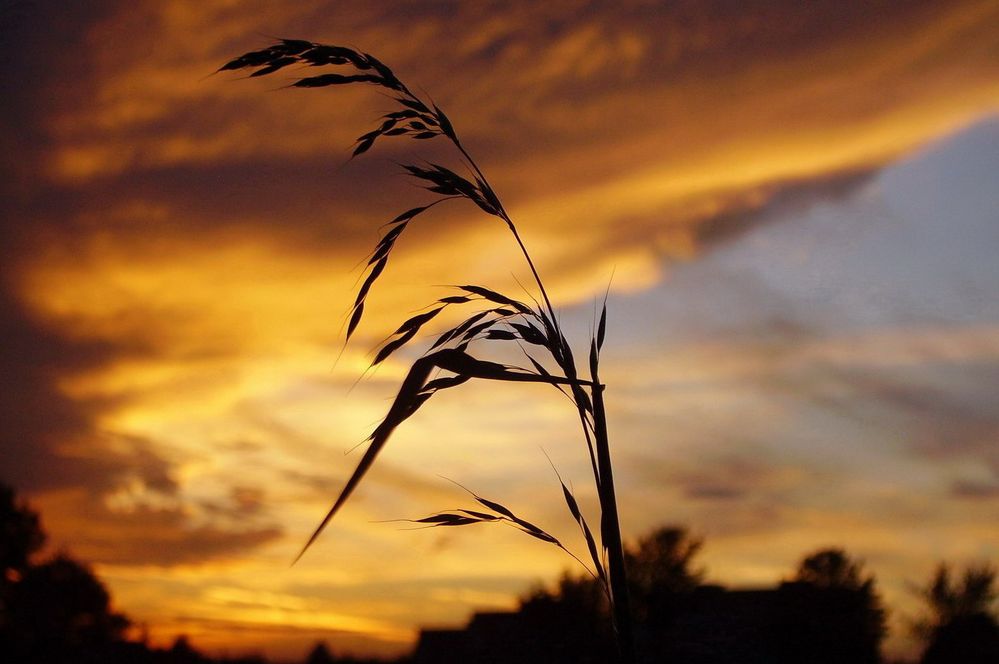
column 504, row 319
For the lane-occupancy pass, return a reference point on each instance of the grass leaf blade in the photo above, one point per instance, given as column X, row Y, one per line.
column 402, row 407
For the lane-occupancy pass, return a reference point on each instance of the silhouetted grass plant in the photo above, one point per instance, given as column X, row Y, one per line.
column 534, row 327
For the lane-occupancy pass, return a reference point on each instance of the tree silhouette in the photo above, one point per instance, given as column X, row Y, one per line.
column 320, row 655
column 660, row 570
column 947, row 599
column 60, row 612
column 962, row 625
column 21, row 535
column 52, row 612
column 182, row 652
column 662, row 578
column 568, row 624
column 828, row 613
column 832, row 568
column 663, row 561
column 831, row 611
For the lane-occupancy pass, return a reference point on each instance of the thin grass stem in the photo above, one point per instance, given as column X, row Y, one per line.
column 449, row 353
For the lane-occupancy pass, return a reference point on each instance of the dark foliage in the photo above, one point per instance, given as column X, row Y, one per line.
column 320, row 655
column 577, row 607
column 831, row 585
column 968, row 639
column 661, row 573
column 829, row 614
column 57, row 612
column 53, row 612
column 21, row 535
column 963, row 621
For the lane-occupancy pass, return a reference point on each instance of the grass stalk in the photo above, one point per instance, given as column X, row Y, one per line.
column 504, row 319
column 611, row 532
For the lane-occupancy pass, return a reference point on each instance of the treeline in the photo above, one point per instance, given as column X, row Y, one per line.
column 56, row 611
column 828, row 612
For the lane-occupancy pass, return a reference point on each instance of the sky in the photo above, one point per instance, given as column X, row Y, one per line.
column 794, row 204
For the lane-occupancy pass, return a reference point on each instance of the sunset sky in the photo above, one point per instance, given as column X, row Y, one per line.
column 795, row 204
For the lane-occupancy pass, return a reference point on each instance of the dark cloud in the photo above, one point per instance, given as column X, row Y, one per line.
column 38, row 422
column 42, row 429
column 36, row 418
column 49, row 442
column 749, row 476
column 244, row 502
column 44, row 59
column 975, row 490
column 691, row 38
column 741, row 212
column 42, row 56
column 293, row 203
column 727, row 479
column 431, row 491
column 711, row 490
column 943, row 411
column 159, row 536
column 777, row 200
column 131, row 459
column 107, row 523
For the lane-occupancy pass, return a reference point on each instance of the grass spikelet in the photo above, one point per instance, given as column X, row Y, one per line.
column 507, row 319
